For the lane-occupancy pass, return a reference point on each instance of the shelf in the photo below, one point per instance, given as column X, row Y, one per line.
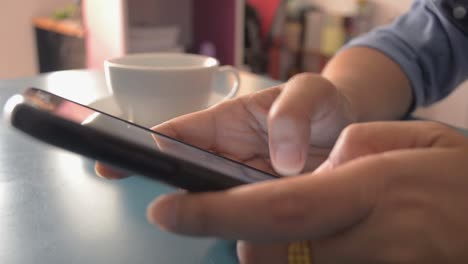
column 72, row 28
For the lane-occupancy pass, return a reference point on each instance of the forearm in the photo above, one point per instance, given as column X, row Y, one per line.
column 376, row 86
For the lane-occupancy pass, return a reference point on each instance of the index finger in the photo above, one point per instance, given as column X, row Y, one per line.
column 197, row 129
column 109, row 172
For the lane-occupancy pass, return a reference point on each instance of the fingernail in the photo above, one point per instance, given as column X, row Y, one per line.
column 98, row 173
column 163, row 212
column 288, row 159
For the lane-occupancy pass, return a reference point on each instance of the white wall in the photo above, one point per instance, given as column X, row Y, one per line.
column 452, row 110
column 387, row 8
column 163, row 13
column 17, row 43
column 105, row 22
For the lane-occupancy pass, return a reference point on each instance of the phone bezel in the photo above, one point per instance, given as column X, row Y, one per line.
column 40, row 124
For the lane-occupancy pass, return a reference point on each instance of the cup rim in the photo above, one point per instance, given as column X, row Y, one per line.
column 116, row 62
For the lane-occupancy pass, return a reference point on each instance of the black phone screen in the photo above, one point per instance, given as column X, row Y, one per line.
column 115, row 127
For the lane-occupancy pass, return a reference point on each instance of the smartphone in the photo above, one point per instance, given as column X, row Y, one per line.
column 100, row 136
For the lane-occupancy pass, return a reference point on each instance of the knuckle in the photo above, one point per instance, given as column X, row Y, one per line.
column 311, row 80
column 438, row 127
column 354, row 133
column 350, row 143
column 443, row 135
column 305, row 76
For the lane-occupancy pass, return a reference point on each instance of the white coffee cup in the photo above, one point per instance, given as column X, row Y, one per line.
column 155, row 87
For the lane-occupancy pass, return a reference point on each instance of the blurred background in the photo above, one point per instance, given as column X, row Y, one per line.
column 274, row 38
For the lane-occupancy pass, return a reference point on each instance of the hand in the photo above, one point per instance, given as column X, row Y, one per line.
column 290, row 128
column 388, row 193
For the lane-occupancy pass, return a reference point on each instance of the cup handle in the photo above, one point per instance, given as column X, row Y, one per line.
column 234, row 72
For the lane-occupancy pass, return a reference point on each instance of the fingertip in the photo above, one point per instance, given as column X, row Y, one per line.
column 98, row 170
column 165, row 128
column 150, row 211
column 163, row 212
column 288, row 145
column 288, row 132
column 288, row 158
column 108, row 172
column 287, row 170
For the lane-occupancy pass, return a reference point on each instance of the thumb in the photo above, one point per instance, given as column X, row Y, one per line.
column 306, row 98
column 288, row 209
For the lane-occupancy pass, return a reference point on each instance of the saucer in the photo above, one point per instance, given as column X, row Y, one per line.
column 109, row 104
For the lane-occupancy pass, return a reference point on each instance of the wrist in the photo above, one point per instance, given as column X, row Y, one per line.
column 374, row 85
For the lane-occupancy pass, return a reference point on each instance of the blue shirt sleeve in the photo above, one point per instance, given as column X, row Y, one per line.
column 431, row 51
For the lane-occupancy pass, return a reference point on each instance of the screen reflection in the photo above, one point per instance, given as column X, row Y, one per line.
column 144, row 137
